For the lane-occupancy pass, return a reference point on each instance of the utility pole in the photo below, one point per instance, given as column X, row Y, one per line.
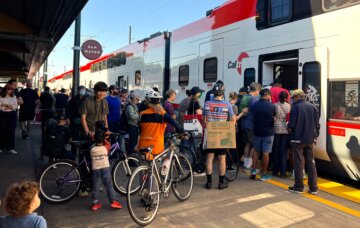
column 129, row 34
column 76, row 70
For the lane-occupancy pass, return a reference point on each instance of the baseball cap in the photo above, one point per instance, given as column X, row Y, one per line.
column 264, row 92
column 298, row 93
column 196, row 90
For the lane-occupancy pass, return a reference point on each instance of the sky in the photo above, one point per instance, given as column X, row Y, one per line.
column 108, row 21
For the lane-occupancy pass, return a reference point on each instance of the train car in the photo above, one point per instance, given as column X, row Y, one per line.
column 308, row 44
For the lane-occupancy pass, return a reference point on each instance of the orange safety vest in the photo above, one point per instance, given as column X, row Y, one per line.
column 152, row 130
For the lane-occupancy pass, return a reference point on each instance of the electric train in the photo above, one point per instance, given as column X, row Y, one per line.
column 308, row 44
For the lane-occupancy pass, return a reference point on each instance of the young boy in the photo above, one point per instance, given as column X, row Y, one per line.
column 101, row 172
column 22, row 199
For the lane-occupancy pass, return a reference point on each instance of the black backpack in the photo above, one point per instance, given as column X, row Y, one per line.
column 53, row 143
column 124, row 120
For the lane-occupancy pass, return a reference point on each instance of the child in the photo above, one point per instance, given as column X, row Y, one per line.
column 101, row 172
column 21, row 200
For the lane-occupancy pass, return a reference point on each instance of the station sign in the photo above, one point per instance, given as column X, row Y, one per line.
column 91, row 49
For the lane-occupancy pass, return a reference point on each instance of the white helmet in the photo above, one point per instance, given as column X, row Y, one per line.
column 153, row 96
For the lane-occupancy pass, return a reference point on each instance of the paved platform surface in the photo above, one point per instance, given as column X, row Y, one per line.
column 246, row 203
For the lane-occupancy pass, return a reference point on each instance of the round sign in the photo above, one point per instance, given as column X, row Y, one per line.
column 91, row 49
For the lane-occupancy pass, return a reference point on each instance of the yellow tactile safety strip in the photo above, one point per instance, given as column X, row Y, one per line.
column 338, row 189
column 320, row 200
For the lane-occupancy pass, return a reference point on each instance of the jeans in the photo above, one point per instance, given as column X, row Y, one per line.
column 279, row 154
column 7, row 133
column 304, row 152
column 104, row 176
column 133, row 138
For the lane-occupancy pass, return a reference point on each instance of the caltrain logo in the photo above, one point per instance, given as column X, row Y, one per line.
column 237, row 63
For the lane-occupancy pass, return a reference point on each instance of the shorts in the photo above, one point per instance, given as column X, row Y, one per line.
column 216, row 151
column 263, row 144
column 247, row 136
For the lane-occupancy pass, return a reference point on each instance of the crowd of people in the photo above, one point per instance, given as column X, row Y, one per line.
column 270, row 122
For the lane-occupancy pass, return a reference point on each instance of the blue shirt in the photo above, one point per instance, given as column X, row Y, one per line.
column 263, row 112
column 247, row 122
column 114, row 108
column 28, row 221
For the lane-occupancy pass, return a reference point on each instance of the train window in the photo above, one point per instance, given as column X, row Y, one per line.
column 249, row 76
column 312, row 82
column 104, row 64
column 261, row 14
column 210, row 70
column 280, row 11
column 329, row 5
column 184, row 75
column 344, row 100
column 96, row 67
column 100, row 65
column 110, row 63
column 137, row 77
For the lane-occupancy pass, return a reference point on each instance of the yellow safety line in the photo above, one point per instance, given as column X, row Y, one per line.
column 320, row 200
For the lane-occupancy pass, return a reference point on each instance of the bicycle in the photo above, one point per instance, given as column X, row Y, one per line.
column 144, row 204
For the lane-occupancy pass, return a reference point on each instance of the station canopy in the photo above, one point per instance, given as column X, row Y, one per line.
column 29, row 30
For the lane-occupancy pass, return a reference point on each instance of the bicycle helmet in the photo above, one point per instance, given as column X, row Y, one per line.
column 153, row 96
column 219, row 88
column 100, row 86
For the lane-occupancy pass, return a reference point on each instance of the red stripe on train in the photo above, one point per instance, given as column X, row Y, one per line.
column 337, row 131
column 344, row 125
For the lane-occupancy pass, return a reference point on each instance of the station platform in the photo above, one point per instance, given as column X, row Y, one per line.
column 246, row 203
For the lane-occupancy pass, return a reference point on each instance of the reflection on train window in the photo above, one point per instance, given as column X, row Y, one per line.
column 249, row 76
column 137, row 77
column 280, row 11
column 337, row 4
column 312, row 82
column 184, row 75
column 210, row 70
column 344, row 100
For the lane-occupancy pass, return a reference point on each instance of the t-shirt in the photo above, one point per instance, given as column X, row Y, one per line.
column 99, row 157
column 95, row 110
column 28, row 221
column 114, row 108
column 263, row 112
column 218, row 111
column 61, row 101
column 29, row 97
column 247, row 122
column 8, row 101
column 184, row 105
column 275, row 92
column 47, row 100
column 169, row 108
column 193, row 106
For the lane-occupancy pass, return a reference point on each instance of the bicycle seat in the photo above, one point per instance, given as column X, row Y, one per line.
column 146, row 149
column 78, row 143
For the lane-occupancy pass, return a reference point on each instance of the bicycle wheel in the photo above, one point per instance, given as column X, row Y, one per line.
column 232, row 167
column 143, row 205
column 182, row 177
column 60, row 181
column 121, row 173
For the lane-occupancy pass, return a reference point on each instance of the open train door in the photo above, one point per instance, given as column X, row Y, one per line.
column 313, row 76
column 249, row 69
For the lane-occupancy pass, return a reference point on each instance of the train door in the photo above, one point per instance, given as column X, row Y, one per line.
column 313, row 75
column 249, row 70
column 122, row 82
column 211, row 58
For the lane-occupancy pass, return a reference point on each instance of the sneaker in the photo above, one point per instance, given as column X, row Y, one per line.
column 292, row 175
column 253, row 174
column 83, row 193
column 265, row 177
column 312, row 192
column 294, row 190
column 96, row 206
column 208, row 185
column 116, row 205
column 12, row 152
column 196, row 174
column 223, row 185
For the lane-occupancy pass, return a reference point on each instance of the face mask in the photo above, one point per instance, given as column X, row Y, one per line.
column 82, row 92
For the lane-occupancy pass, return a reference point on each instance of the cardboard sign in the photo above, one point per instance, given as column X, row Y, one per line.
column 220, row 135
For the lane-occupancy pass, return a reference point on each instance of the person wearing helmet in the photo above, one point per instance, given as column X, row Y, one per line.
column 153, row 121
column 217, row 110
column 94, row 109
column 210, row 95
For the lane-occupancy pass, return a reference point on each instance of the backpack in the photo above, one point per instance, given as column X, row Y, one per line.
column 124, row 123
column 54, row 140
